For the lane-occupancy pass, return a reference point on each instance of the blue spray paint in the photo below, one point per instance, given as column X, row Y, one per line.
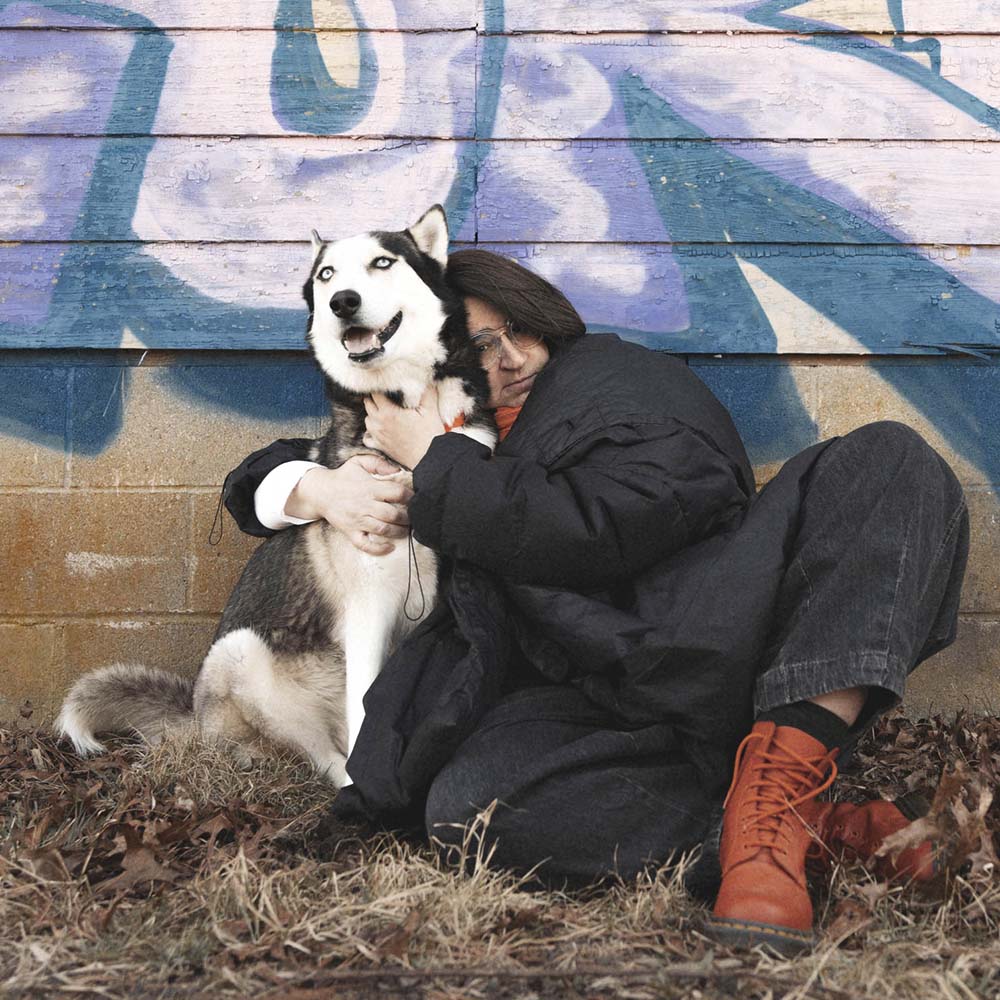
column 304, row 96
column 772, row 14
column 749, row 202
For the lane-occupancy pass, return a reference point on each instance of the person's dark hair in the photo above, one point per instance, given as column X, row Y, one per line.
column 533, row 303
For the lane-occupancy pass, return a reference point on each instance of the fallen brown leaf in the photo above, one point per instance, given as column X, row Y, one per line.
column 139, row 865
column 47, row 863
column 850, row 916
column 397, row 943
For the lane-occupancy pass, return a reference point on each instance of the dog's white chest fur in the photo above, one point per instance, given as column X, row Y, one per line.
column 375, row 601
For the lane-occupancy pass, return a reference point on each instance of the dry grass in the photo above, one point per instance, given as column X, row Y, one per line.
column 171, row 872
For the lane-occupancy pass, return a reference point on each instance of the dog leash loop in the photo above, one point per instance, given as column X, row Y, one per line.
column 411, row 564
column 217, row 521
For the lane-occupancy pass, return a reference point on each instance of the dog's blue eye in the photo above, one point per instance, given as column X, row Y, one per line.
column 325, row 274
column 383, row 262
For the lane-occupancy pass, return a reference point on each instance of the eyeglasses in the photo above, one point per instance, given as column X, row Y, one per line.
column 489, row 342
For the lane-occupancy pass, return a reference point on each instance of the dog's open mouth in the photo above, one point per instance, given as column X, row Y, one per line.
column 363, row 344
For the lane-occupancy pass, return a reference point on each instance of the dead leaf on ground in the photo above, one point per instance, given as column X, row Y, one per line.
column 960, row 833
column 397, row 943
column 138, row 865
column 46, row 863
column 850, row 917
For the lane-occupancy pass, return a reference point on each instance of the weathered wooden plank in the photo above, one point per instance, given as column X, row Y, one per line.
column 785, row 192
column 56, row 188
column 257, row 189
column 239, row 83
column 403, row 15
column 743, row 87
column 925, row 16
column 549, row 86
column 778, row 299
column 748, row 299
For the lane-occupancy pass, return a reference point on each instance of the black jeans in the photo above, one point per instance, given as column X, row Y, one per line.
column 871, row 589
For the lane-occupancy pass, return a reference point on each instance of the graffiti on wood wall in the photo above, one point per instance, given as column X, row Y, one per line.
column 706, row 177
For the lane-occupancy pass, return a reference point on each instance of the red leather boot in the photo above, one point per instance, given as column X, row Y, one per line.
column 856, row 832
column 763, row 898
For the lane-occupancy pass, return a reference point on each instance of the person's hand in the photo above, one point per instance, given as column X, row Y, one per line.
column 402, row 434
column 371, row 512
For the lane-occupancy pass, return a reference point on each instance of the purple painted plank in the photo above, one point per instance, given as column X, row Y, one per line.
column 742, row 87
column 614, row 286
column 220, row 83
column 42, row 186
column 581, row 191
column 925, row 16
column 750, row 299
column 404, row 15
column 55, row 82
column 867, row 192
column 37, row 15
column 248, row 189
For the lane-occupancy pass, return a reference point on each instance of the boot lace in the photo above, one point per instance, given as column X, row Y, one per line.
column 780, row 780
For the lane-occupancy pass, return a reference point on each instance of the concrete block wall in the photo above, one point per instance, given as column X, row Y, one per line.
column 800, row 197
column 839, row 394
column 106, row 554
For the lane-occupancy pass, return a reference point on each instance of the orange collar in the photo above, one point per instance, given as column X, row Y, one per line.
column 505, row 417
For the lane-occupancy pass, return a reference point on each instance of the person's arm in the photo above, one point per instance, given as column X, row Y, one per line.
column 278, row 500
column 369, row 510
column 278, row 486
column 240, row 487
column 613, row 506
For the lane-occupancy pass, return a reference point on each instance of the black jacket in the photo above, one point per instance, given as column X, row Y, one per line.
column 612, row 542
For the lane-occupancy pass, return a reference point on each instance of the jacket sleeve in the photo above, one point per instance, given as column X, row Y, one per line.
column 612, row 506
column 242, row 482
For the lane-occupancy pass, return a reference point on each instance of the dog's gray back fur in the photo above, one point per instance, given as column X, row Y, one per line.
column 278, row 596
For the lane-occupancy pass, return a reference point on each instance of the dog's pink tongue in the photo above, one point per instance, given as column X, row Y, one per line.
column 357, row 340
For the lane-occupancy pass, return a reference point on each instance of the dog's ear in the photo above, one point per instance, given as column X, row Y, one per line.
column 430, row 233
column 317, row 248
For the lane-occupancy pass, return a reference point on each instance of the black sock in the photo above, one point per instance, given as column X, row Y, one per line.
column 820, row 723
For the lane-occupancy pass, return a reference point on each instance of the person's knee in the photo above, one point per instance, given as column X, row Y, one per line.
column 890, row 444
column 884, row 439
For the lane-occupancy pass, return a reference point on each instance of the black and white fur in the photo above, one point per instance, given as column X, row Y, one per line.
column 312, row 618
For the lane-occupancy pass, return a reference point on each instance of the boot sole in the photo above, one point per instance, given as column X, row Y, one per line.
column 785, row 941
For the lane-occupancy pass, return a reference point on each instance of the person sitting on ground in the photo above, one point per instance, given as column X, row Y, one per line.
column 622, row 617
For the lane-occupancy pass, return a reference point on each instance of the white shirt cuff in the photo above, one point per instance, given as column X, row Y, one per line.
column 270, row 497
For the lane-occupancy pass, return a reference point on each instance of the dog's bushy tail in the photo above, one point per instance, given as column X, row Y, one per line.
column 125, row 698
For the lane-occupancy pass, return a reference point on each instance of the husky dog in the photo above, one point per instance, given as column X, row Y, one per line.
column 312, row 618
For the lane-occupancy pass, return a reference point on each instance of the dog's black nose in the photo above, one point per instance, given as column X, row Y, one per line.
column 345, row 303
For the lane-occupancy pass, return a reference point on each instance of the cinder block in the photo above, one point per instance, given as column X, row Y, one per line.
column 955, row 407
column 187, row 424
column 32, row 425
column 177, row 645
column 72, row 553
column 215, row 568
column 981, row 588
column 772, row 404
column 965, row 675
column 31, row 667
